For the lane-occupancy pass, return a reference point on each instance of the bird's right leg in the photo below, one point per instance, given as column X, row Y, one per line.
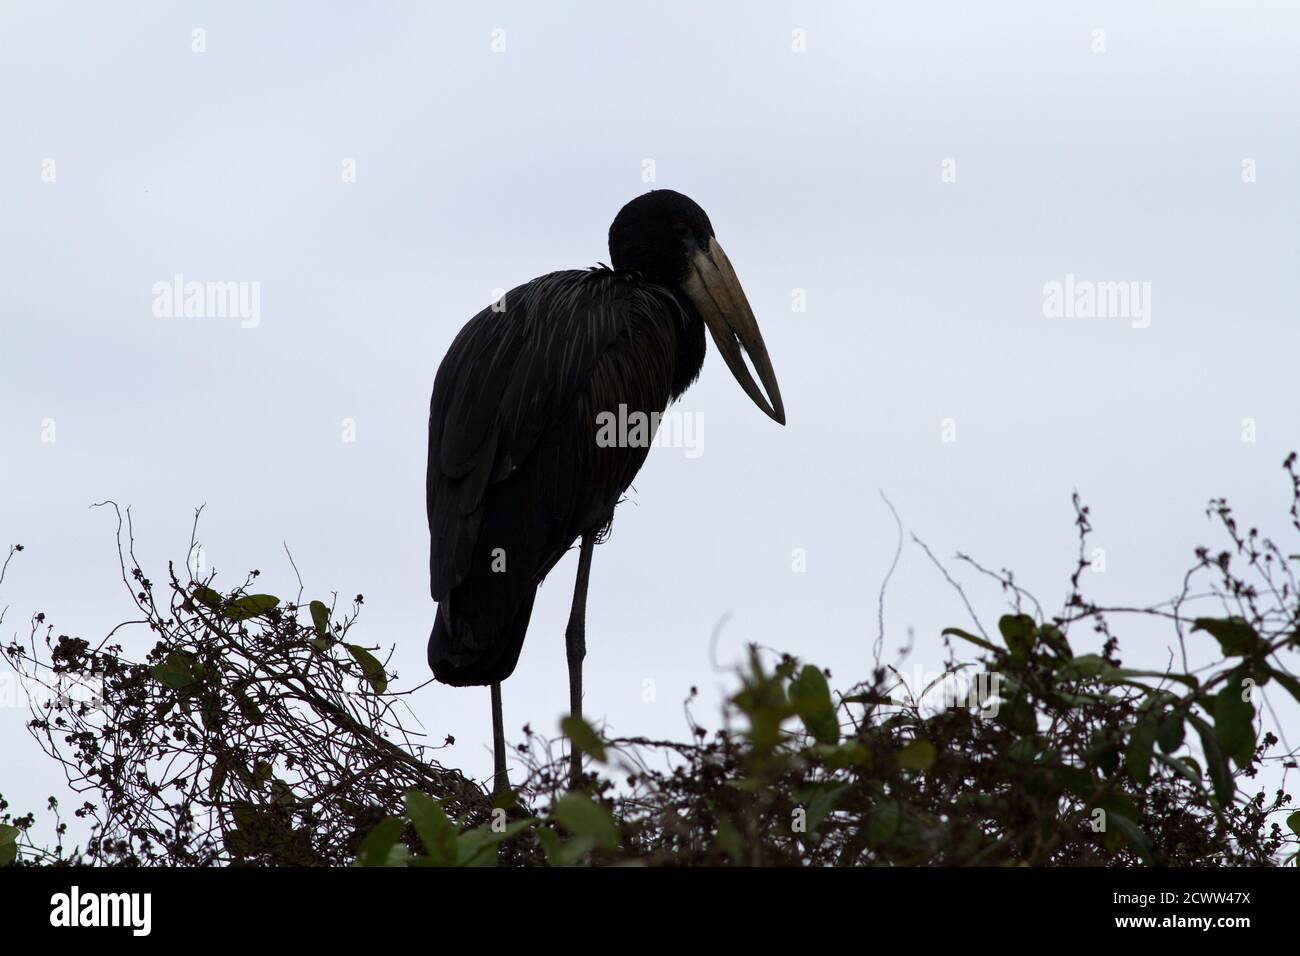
column 500, row 779
column 575, row 640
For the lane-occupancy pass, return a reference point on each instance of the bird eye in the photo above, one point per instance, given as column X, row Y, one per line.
column 681, row 229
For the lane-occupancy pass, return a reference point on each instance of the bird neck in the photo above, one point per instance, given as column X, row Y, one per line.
column 690, row 347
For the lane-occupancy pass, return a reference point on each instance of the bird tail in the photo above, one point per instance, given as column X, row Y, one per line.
column 461, row 654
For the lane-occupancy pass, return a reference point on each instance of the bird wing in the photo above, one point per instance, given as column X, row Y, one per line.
column 513, row 458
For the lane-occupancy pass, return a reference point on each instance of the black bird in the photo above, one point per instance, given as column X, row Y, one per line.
column 516, row 473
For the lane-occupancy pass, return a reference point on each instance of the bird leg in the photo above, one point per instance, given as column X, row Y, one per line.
column 575, row 639
column 500, row 779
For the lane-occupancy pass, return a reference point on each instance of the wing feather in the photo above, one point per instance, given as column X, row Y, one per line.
column 515, row 473
column 567, row 346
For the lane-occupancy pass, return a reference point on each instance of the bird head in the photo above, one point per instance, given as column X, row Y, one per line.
column 668, row 238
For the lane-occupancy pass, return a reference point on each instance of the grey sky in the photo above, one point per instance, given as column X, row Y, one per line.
column 821, row 171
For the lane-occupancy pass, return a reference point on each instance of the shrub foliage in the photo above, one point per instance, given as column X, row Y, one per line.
column 258, row 731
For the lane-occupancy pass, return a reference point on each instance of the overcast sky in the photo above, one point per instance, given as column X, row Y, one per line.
column 895, row 183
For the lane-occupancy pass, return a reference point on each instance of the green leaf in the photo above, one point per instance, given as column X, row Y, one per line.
column 1077, row 780
column 248, row 707
column 1234, row 634
column 1087, row 666
column 282, row 793
column 1054, row 637
column 1121, row 675
column 810, row 696
column 1216, row 763
column 1234, row 722
column 379, row 848
column 729, row 840
column 1023, row 750
column 584, row 737
column 1293, row 821
column 1103, row 753
column 550, row 841
column 582, row 817
column 883, row 822
column 477, row 847
column 217, row 780
column 1119, row 804
column 822, row 803
column 917, row 755
column 850, row 753
column 1184, row 768
column 320, row 619
column 1137, row 756
column 967, row 636
column 8, row 844
column 1018, row 631
column 1133, row 835
column 1016, row 714
column 370, row 667
column 867, row 697
column 208, row 597
column 560, row 853
column 1095, row 667
column 250, row 605
column 1171, row 732
column 178, row 671
column 436, row 831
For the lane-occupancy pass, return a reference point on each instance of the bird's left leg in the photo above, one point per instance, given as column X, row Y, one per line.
column 500, row 779
column 575, row 639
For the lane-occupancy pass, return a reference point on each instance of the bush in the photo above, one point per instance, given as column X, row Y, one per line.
column 256, row 732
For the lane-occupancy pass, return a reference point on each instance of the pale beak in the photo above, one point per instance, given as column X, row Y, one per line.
column 715, row 291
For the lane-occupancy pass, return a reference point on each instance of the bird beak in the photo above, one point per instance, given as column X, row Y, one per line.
column 715, row 291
